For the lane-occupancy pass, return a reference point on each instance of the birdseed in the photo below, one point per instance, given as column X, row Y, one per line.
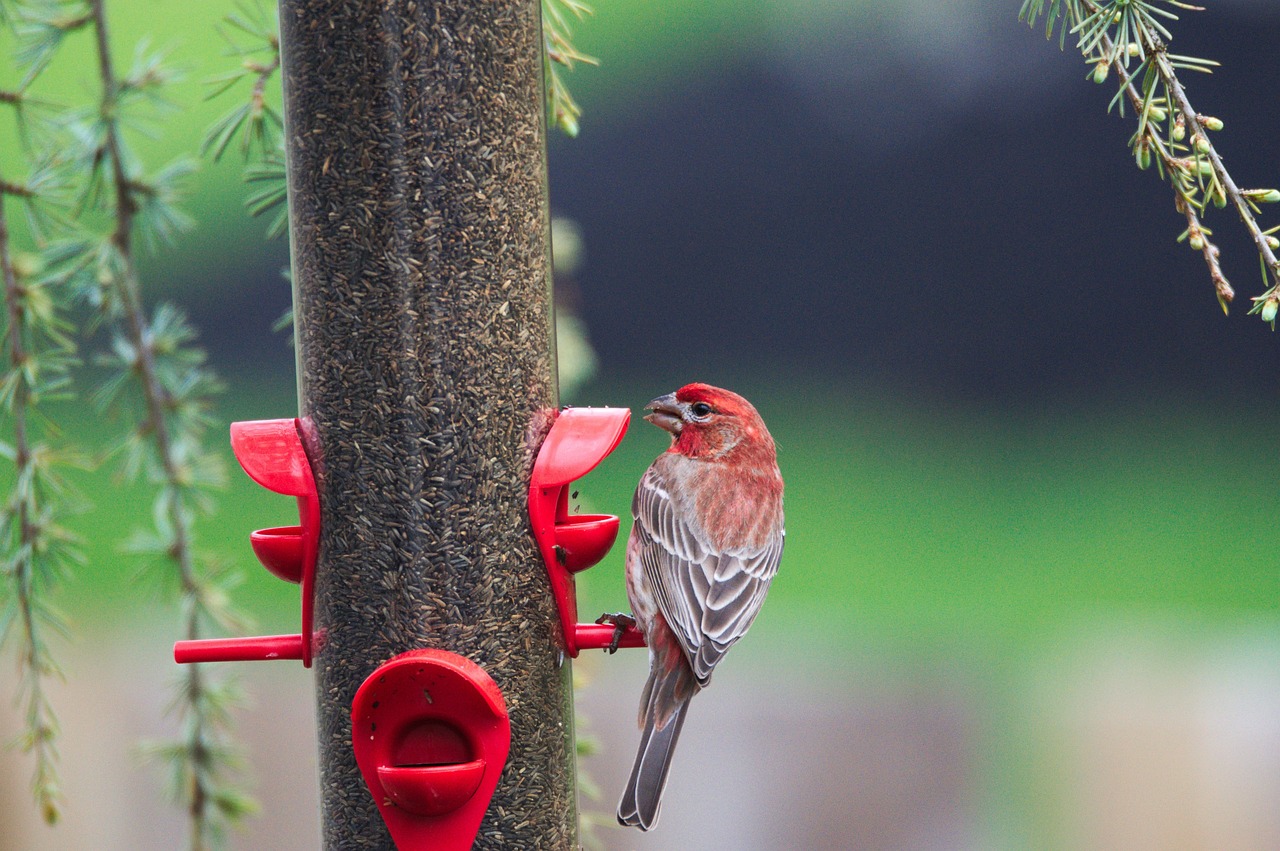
column 420, row 232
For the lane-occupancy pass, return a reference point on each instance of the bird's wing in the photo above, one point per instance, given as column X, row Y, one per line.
column 708, row 598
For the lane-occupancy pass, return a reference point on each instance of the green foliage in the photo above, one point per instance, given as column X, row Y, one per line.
column 150, row 380
column 268, row 193
column 557, row 30
column 251, row 36
column 38, row 551
column 255, row 128
column 1130, row 38
column 193, row 760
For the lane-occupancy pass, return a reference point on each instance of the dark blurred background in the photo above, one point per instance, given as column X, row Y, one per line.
column 1030, row 593
column 918, row 196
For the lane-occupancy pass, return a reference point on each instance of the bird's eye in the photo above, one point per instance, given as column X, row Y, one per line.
column 700, row 409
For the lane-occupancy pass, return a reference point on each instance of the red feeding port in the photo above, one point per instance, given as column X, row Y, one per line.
column 272, row 453
column 431, row 735
column 579, row 439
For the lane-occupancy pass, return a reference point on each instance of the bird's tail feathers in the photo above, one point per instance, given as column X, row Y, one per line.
column 662, row 695
column 642, row 798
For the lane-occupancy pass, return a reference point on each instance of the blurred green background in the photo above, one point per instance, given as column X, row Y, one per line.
column 1078, row 561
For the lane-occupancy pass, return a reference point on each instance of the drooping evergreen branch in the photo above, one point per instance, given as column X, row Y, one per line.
column 1245, row 201
column 1185, row 174
column 154, row 354
column 1112, row 36
column 36, row 551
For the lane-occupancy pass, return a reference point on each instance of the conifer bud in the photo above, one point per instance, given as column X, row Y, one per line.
column 1269, row 310
column 1262, row 196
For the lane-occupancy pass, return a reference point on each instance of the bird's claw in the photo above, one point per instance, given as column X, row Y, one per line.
column 621, row 623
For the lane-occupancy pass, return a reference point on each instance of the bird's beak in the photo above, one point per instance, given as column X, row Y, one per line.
column 668, row 414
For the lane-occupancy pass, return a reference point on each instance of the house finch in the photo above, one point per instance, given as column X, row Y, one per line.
column 705, row 545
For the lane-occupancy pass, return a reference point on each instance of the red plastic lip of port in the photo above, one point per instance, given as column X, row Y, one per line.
column 271, row 452
column 579, row 439
column 585, row 539
column 431, row 805
column 431, row 790
column 281, row 551
column 258, row 648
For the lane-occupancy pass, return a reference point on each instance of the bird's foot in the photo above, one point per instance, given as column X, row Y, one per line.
column 621, row 623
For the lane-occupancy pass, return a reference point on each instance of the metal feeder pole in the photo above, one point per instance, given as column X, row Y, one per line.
column 420, row 242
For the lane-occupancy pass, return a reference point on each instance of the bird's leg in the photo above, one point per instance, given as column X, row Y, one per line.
column 621, row 623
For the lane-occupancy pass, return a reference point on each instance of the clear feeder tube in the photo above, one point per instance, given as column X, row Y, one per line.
column 416, row 143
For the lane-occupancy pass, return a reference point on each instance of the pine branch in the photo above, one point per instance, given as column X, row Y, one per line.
column 256, row 122
column 200, row 759
column 562, row 110
column 258, row 125
column 1111, row 36
column 1243, row 201
column 24, row 544
column 37, row 551
column 150, row 353
column 1182, row 170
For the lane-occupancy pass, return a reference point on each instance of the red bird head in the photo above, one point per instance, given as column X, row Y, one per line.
column 712, row 424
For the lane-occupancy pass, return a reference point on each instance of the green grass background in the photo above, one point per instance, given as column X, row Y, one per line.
column 904, row 523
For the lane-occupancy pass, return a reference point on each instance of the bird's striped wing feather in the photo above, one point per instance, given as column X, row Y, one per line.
column 708, row 598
